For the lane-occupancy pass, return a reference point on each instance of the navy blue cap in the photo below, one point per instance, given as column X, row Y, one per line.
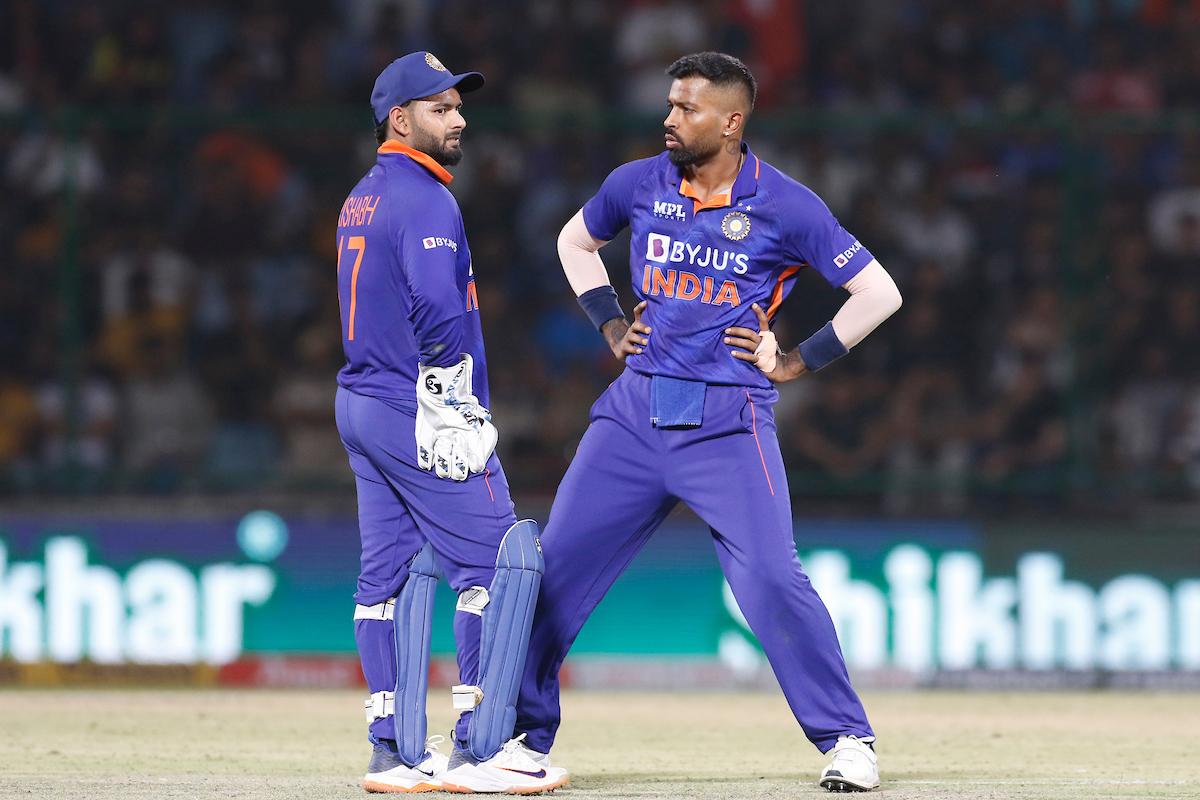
column 416, row 75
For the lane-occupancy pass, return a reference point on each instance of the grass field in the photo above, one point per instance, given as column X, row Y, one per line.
column 247, row 744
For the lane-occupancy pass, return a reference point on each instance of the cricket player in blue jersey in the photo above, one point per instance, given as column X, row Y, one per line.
column 432, row 497
column 717, row 239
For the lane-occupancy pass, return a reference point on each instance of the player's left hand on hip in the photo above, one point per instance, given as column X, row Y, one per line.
column 759, row 347
column 455, row 435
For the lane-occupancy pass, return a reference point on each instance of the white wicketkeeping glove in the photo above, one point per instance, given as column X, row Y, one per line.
column 455, row 435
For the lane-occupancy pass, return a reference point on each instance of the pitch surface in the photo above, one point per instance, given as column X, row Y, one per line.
column 301, row 744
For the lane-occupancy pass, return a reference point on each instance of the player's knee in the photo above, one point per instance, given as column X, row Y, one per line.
column 775, row 576
column 371, row 591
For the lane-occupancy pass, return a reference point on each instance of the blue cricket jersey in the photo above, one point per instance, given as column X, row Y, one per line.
column 700, row 266
column 406, row 286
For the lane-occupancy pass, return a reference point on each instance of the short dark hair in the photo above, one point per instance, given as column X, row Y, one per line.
column 720, row 68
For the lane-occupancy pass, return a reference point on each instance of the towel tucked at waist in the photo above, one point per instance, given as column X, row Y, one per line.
column 676, row 403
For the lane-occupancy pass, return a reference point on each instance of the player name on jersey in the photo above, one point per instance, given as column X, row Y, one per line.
column 359, row 210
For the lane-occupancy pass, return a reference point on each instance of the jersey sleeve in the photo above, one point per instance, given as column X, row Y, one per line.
column 608, row 211
column 812, row 235
column 428, row 245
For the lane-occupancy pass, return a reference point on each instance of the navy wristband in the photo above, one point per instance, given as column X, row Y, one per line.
column 822, row 348
column 600, row 304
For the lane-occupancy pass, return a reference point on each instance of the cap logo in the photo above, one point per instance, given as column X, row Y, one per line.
column 431, row 60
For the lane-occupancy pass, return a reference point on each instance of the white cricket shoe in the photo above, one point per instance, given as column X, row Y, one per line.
column 387, row 773
column 516, row 769
column 853, row 766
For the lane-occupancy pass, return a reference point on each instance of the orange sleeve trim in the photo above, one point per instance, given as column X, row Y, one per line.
column 777, row 295
column 424, row 159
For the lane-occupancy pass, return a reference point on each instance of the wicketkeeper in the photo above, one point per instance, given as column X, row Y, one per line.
column 432, row 497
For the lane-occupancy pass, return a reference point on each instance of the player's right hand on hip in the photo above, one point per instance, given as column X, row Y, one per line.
column 455, row 435
column 625, row 339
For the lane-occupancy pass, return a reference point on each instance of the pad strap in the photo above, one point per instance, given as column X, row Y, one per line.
column 380, row 611
column 473, row 601
column 379, row 705
column 465, row 697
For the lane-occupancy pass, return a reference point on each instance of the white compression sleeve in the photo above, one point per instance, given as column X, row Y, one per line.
column 579, row 252
column 873, row 298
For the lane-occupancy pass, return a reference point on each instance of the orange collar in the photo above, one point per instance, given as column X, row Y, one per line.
column 424, row 159
column 743, row 185
column 716, row 201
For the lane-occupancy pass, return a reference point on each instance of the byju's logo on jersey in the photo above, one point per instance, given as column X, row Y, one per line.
column 662, row 249
column 431, row 242
column 658, row 247
column 843, row 258
column 671, row 211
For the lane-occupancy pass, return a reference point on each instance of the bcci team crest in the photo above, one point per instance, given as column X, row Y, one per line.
column 433, row 63
column 735, row 226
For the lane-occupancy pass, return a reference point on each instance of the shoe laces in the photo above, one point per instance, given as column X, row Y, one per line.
column 854, row 743
column 432, row 743
column 515, row 744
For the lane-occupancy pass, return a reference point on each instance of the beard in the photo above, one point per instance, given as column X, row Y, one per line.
column 685, row 156
column 438, row 149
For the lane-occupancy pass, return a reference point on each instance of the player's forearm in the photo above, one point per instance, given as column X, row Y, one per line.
column 873, row 298
column 580, row 256
column 440, row 342
column 579, row 252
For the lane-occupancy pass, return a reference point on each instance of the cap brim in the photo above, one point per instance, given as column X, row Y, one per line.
column 467, row 82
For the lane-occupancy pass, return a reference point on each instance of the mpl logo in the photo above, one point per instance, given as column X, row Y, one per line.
column 843, row 258
column 665, row 210
column 658, row 247
column 431, row 242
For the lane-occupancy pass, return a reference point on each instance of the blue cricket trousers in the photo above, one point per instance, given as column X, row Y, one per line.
column 400, row 507
column 625, row 478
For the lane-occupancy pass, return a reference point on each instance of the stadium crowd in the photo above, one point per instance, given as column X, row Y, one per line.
column 1027, row 171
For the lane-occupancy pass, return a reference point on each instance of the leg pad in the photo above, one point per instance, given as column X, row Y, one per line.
column 413, row 625
column 507, row 617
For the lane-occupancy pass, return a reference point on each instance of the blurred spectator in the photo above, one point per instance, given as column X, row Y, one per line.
column 842, row 435
column 929, row 450
column 933, row 230
column 166, row 426
column 651, row 34
column 92, row 446
column 47, row 163
column 1021, row 436
column 18, row 427
column 1174, row 214
column 303, row 408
